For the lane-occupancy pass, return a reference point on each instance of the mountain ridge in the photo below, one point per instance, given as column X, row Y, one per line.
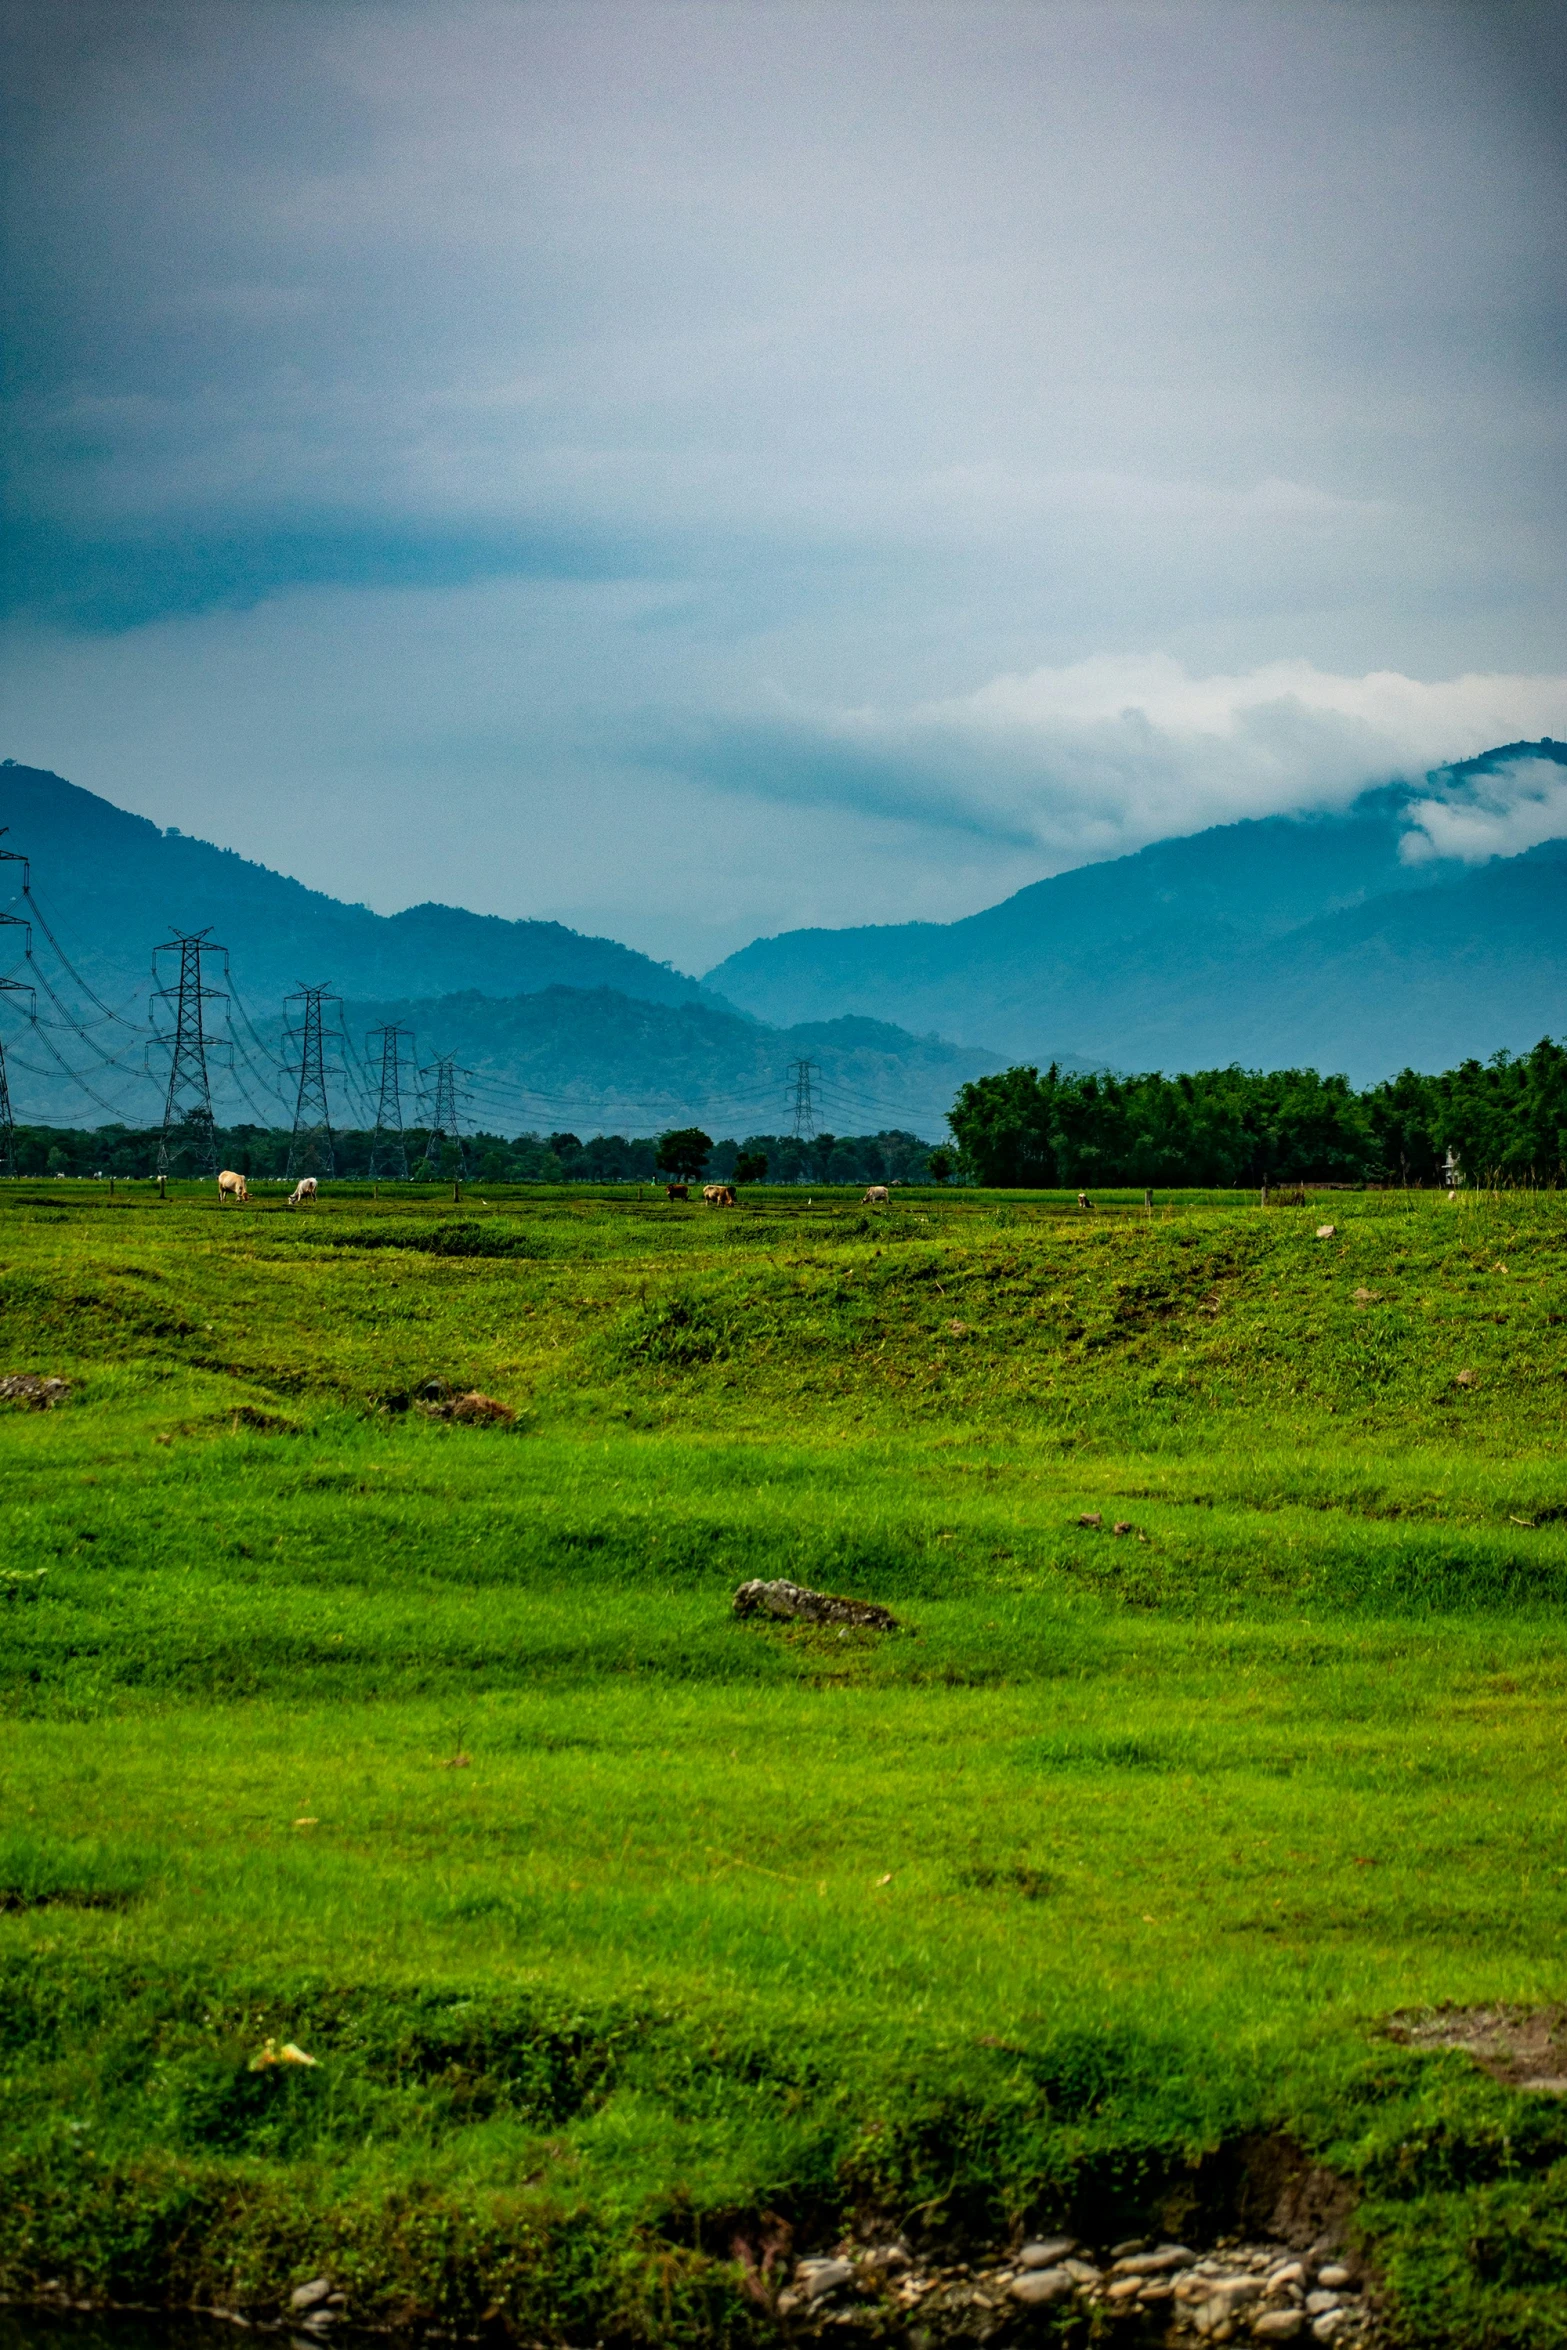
column 108, row 870
column 557, row 1029
column 1170, row 957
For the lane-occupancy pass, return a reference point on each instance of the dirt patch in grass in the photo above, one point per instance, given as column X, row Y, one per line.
column 1525, row 2047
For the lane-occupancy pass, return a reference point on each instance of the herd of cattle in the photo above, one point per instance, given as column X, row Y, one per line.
column 714, row 1195
column 721, row 1195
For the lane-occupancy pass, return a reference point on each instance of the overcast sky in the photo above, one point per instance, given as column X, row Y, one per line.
column 697, row 469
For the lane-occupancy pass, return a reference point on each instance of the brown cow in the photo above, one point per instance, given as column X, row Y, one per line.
column 718, row 1195
column 877, row 1197
column 231, row 1186
column 677, row 1191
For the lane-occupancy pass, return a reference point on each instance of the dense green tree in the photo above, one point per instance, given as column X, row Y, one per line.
column 1505, row 1119
column 684, row 1152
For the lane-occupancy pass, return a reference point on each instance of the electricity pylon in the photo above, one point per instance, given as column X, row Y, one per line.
column 13, row 987
column 188, row 1103
column 804, row 1106
column 443, row 1124
column 388, row 1150
column 311, row 1149
column 7, row 1121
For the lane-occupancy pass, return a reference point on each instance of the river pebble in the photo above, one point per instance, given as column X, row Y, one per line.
column 1138, row 2292
column 1048, row 2253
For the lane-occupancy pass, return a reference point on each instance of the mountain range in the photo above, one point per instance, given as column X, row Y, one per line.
column 551, row 1029
column 1273, row 942
column 1276, row 942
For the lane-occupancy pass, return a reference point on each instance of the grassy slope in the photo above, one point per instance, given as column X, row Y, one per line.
column 1119, row 1854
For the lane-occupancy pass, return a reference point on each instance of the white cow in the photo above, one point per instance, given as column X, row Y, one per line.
column 304, row 1189
column 231, row 1186
column 877, row 1197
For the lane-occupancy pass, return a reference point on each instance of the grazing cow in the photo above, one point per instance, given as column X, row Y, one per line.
column 718, row 1195
column 304, row 1189
column 877, row 1197
column 677, row 1191
column 231, row 1186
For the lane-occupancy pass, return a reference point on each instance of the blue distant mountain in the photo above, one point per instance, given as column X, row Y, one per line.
column 1277, row 942
column 120, row 884
column 1273, row 942
column 552, row 1029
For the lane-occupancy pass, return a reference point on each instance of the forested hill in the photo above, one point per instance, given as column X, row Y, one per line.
column 1275, row 942
column 113, row 885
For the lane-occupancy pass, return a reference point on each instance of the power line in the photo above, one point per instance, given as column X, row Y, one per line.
column 188, row 1102
column 63, row 959
column 388, row 1149
column 311, row 1150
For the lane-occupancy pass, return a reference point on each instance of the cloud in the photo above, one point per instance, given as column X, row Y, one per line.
column 1499, row 813
column 426, row 422
column 1100, row 756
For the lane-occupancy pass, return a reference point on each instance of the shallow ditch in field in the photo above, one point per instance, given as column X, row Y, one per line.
column 1251, row 2245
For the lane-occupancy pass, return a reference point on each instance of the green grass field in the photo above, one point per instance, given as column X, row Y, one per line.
column 1109, row 1865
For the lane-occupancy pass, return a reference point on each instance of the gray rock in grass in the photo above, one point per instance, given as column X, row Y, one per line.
column 30, row 1387
column 793, row 1602
column 312, row 2295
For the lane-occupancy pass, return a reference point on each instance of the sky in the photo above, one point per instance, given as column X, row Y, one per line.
column 698, row 468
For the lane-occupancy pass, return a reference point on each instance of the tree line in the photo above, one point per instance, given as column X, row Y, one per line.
column 258, row 1152
column 1504, row 1121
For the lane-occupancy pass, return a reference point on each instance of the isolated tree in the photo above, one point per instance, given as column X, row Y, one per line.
column 684, row 1152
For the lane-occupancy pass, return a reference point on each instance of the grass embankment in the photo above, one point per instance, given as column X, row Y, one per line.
column 1120, row 1854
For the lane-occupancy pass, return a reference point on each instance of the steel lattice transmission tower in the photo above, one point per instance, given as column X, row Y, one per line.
column 388, row 1149
column 7, row 1120
column 443, row 1123
column 13, row 987
column 188, row 1103
column 311, row 1149
column 804, row 1105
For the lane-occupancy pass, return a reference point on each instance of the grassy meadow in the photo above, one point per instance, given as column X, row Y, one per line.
column 614, row 1923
